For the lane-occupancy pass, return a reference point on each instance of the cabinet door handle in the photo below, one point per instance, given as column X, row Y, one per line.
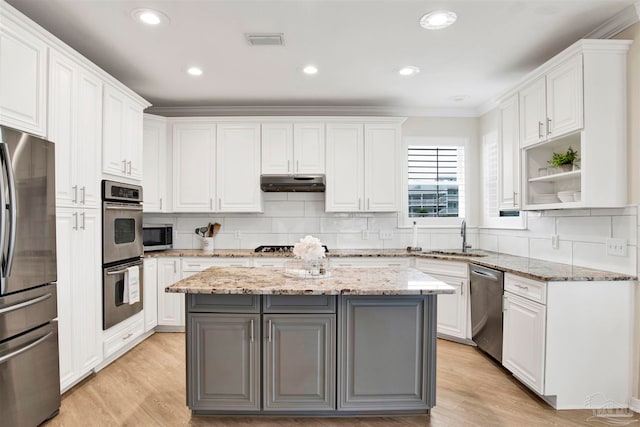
column 160, row 203
column 270, row 330
column 75, row 194
column 175, row 267
column 219, row 203
column 514, row 198
column 83, row 190
column 504, row 304
column 288, row 166
column 124, row 166
column 129, row 167
column 75, row 222
column 251, row 331
column 368, row 203
column 540, row 130
column 524, row 288
column 548, row 126
column 359, row 203
column 297, row 166
column 211, row 203
column 82, row 227
column 126, row 337
column 461, row 288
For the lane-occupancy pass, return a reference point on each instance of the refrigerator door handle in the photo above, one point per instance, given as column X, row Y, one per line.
column 12, row 209
column 3, row 220
column 25, row 304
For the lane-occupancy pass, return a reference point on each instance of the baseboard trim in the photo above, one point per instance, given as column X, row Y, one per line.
column 634, row 405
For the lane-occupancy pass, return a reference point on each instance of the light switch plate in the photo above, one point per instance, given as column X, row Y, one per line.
column 386, row 234
column 617, row 247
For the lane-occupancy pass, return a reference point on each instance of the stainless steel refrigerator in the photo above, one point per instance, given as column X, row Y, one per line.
column 29, row 367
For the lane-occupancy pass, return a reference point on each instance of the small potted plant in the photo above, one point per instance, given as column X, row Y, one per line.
column 564, row 161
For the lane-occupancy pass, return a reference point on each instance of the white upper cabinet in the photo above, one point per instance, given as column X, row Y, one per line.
column 293, row 148
column 345, row 167
column 551, row 106
column 509, row 155
column 155, row 164
column 122, row 135
column 308, row 148
column 75, row 124
column 585, row 90
column 238, row 168
column 23, row 77
column 363, row 167
column 381, row 167
column 194, row 167
column 277, row 148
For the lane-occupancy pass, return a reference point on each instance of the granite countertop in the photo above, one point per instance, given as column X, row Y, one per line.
column 527, row 267
column 344, row 281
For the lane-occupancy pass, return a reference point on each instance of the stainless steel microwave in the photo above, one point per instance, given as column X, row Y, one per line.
column 157, row 237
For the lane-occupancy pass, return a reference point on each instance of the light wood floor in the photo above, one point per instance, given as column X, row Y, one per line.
column 146, row 387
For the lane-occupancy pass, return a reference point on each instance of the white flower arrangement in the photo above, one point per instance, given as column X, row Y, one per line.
column 308, row 249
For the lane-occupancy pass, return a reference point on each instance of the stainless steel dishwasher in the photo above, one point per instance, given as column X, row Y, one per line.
column 486, row 289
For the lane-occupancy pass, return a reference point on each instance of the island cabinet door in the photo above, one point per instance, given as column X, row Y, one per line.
column 223, row 373
column 386, row 353
column 299, row 362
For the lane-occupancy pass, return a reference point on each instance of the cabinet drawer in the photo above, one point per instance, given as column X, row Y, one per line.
column 201, row 264
column 527, row 288
column 445, row 268
column 123, row 337
column 299, row 304
column 223, row 303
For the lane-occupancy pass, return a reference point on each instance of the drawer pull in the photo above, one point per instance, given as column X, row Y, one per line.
column 126, row 337
column 524, row 288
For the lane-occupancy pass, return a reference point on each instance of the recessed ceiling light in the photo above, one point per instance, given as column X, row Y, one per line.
column 195, row 71
column 409, row 70
column 438, row 19
column 310, row 69
column 149, row 16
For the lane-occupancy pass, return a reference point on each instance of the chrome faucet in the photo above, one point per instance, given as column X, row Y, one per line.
column 463, row 233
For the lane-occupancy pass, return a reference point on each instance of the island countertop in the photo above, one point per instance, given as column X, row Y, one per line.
column 343, row 281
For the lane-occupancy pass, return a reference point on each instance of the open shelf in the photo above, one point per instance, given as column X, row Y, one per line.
column 557, row 177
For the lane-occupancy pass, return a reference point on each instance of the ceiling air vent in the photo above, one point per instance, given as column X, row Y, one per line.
column 272, row 39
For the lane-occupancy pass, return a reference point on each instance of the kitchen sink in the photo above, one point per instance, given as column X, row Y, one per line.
column 454, row 252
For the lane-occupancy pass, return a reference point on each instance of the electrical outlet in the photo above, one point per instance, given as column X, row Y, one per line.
column 237, row 235
column 555, row 241
column 365, row 235
column 386, row 234
column 617, row 247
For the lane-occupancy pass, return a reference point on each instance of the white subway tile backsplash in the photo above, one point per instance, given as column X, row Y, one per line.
column 314, row 209
column 226, row 241
column 355, row 241
column 541, row 225
column 488, row 242
column 594, row 255
column 268, row 197
column 284, row 209
column 376, row 223
column 629, row 210
column 248, row 224
column 253, row 240
column 584, row 229
column 305, row 197
column 445, row 241
column 513, row 245
column 568, row 212
column 342, row 225
column 296, row 225
column 625, row 227
column 542, row 249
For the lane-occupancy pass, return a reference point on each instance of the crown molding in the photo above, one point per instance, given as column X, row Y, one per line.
column 219, row 111
column 617, row 23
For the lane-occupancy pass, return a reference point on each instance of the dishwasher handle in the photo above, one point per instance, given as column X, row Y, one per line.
column 485, row 274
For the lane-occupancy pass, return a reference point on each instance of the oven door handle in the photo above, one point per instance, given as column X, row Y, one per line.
column 23, row 349
column 123, row 208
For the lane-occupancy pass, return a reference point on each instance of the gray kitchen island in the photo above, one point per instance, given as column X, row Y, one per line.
column 362, row 341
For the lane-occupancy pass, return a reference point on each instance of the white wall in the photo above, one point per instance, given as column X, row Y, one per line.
column 633, row 158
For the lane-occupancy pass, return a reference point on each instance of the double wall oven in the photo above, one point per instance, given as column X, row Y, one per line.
column 122, row 248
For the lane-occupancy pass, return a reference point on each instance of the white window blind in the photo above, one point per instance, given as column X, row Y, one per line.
column 436, row 181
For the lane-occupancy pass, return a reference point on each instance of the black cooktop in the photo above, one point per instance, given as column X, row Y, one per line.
column 283, row 248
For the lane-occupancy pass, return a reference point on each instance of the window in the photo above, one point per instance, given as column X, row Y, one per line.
column 435, row 182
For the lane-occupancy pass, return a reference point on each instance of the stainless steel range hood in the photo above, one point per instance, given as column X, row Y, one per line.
column 292, row 183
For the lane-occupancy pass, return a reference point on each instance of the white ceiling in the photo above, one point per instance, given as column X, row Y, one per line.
column 358, row 46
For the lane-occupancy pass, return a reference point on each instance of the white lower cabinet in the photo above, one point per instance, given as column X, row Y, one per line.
column 170, row 306
column 121, row 336
column 524, row 340
column 150, row 294
column 453, row 309
column 79, row 293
